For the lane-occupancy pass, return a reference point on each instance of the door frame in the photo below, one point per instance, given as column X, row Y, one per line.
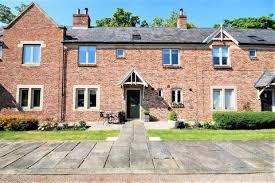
column 126, row 91
column 272, row 98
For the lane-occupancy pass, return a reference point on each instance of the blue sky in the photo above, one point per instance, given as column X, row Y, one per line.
column 204, row 13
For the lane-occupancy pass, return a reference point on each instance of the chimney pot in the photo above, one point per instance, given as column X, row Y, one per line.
column 78, row 11
column 85, row 11
column 81, row 20
column 181, row 12
column 182, row 20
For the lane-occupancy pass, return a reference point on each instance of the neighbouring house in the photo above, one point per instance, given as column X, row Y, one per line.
column 74, row 72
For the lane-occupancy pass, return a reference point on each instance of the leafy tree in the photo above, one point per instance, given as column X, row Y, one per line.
column 120, row 18
column 6, row 15
column 157, row 22
column 144, row 24
column 263, row 22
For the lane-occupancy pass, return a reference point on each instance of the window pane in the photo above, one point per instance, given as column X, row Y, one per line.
column 229, row 99
column 82, row 55
column 36, row 98
column 36, row 54
column 216, row 56
column 1, row 51
column 252, row 53
column 179, row 96
column 216, row 99
column 166, row 56
column 92, row 98
column 91, row 51
column 175, row 57
column 24, row 97
column 160, row 93
column 173, row 96
column 80, row 97
column 120, row 52
column 224, row 56
column 27, row 54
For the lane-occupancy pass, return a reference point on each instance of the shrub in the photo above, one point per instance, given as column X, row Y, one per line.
column 18, row 123
column 80, row 126
column 244, row 120
column 186, row 125
column 48, row 126
column 172, row 115
column 208, row 125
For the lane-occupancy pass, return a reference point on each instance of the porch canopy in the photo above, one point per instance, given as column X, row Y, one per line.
column 133, row 78
column 266, row 80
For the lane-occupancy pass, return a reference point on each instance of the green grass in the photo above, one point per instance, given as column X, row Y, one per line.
column 267, row 134
column 58, row 135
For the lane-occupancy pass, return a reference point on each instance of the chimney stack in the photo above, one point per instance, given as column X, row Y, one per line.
column 182, row 20
column 81, row 20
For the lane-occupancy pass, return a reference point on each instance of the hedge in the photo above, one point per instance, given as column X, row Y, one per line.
column 18, row 123
column 244, row 120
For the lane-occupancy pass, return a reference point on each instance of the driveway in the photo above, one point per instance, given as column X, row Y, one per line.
column 134, row 153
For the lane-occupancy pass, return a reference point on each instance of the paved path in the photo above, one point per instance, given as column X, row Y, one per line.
column 133, row 153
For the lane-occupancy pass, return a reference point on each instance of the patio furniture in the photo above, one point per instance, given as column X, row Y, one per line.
column 109, row 117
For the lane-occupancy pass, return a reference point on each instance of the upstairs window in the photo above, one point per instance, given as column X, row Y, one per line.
column 252, row 53
column 220, row 56
column 120, row 53
column 31, row 54
column 176, row 96
column 1, row 51
column 170, row 56
column 87, row 55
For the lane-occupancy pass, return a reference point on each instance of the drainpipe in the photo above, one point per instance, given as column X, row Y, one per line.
column 64, row 81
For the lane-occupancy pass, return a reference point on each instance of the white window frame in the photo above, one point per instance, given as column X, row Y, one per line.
column 220, row 55
column 176, row 96
column 170, row 56
column 86, row 97
column 223, row 88
column 122, row 56
column 87, row 55
column 31, row 61
column 30, row 89
column 255, row 53
column 160, row 91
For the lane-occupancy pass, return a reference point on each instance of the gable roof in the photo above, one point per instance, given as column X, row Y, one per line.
column 220, row 34
column 129, row 76
column 26, row 10
column 164, row 35
column 265, row 79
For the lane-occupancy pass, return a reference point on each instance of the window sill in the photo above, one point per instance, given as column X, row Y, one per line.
column 171, row 66
column 87, row 65
column 29, row 109
column 178, row 105
column 121, row 57
column 31, row 65
column 222, row 66
column 223, row 110
column 85, row 109
column 253, row 58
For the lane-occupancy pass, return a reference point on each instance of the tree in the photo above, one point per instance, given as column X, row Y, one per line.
column 263, row 22
column 120, row 18
column 6, row 15
column 171, row 21
column 144, row 24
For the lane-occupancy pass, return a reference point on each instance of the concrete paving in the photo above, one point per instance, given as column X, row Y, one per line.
column 134, row 153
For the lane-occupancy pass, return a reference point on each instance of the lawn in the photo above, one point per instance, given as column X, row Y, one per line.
column 58, row 135
column 267, row 134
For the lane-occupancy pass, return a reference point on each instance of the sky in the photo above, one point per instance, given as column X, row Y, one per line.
column 203, row 13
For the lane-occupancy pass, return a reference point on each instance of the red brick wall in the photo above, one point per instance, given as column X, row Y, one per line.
column 32, row 26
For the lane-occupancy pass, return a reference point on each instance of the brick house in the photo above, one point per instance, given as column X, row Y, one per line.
column 74, row 72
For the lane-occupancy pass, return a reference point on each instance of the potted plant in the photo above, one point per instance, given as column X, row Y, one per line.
column 121, row 116
column 172, row 119
column 146, row 116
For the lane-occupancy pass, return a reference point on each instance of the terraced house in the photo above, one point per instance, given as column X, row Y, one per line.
column 74, row 72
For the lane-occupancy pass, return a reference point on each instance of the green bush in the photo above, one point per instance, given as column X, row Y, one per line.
column 48, row 126
column 172, row 115
column 244, row 120
column 18, row 123
column 80, row 126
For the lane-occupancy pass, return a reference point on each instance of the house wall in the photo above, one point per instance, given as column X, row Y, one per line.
column 195, row 76
column 32, row 26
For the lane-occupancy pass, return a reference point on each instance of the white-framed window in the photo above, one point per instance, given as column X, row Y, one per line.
column 170, row 57
column 220, row 56
column 223, row 98
column 31, row 54
column 252, row 53
column 87, row 55
column 160, row 93
column 86, row 97
column 1, row 51
column 30, row 97
column 120, row 53
column 176, row 96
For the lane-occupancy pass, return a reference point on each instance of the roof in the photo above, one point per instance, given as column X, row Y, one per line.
column 265, row 79
column 133, row 77
column 164, row 35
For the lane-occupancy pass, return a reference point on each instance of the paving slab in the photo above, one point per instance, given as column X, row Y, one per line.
column 140, row 157
column 165, row 164
column 9, row 148
column 119, row 157
column 81, row 150
column 158, row 150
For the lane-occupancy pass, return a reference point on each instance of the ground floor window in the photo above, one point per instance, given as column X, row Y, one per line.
column 176, row 96
column 223, row 98
column 86, row 97
column 30, row 97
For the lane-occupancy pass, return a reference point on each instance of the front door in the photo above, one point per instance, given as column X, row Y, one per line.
column 133, row 104
column 266, row 99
